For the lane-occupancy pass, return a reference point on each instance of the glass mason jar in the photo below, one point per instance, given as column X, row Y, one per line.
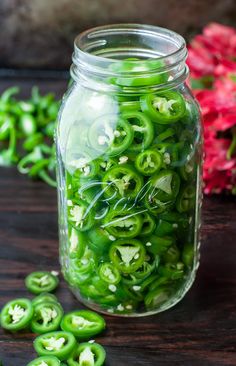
column 129, row 171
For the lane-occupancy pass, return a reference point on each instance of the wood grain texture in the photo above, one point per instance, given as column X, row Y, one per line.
column 199, row 331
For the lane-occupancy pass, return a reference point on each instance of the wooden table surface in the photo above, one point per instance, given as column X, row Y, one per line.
column 199, row 331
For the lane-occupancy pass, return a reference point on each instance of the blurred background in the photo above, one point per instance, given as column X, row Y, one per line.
column 39, row 34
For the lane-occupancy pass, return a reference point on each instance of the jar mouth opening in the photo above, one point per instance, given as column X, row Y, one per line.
column 116, row 54
column 116, row 42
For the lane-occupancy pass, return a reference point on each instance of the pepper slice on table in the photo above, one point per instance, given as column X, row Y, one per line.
column 47, row 317
column 59, row 344
column 87, row 354
column 143, row 130
column 122, row 181
column 44, row 297
column 123, row 224
column 163, row 107
column 83, row 324
column 38, row 282
column 127, row 255
column 16, row 314
column 45, row 361
column 148, row 162
column 111, row 134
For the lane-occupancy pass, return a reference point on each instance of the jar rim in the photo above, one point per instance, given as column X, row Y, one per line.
column 101, row 53
column 127, row 28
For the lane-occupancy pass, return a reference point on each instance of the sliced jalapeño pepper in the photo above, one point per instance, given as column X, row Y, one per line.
column 166, row 185
column 77, row 243
column 79, row 215
column 59, row 344
column 47, row 317
column 122, row 181
column 158, row 245
column 44, row 297
column 143, row 130
column 163, row 107
column 38, row 282
column 149, row 224
column 156, row 297
column 123, row 224
column 83, row 324
column 127, row 255
column 186, row 199
column 45, row 361
column 130, row 105
column 188, row 254
column 87, row 354
column 109, row 273
column 134, row 72
column 172, row 271
column 148, row 162
column 16, row 314
column 111, row 134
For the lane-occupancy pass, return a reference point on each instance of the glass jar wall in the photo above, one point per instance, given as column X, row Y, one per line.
column 129, row 171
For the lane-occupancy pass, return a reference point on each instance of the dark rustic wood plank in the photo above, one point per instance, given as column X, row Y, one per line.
column 199, row 331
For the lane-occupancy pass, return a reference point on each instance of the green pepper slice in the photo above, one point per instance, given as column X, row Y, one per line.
column 47, row 317
column 186, row 199
column 32, row 141
column 163, row 190
column 45, row 361
column 127, row 255
column 100, row 239
column 84, row 167
column 122, row 181
column 16, row 314
column 148, row 162
column 77, row 243
column 83, row 324
column 44, row 297
column 158, row 245
column 164, row 228
column 38, row 282
column 79, row 215
column 163, row 107
column 81, row 268
column 172, row 271
column 134, row 72
column 109, row 273
column 27, row 124
column 172, row 255
column 59, row 344
column 143, row 130
column 149, row 224
column 87, row 354
column 156, row 297
column 123, row 224
column 130, row 105
column 111, row 134
column 188, row 254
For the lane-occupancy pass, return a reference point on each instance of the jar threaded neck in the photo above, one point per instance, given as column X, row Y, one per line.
column 150, row 50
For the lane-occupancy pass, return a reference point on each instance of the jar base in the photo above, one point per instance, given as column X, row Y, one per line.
column 169, row 304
